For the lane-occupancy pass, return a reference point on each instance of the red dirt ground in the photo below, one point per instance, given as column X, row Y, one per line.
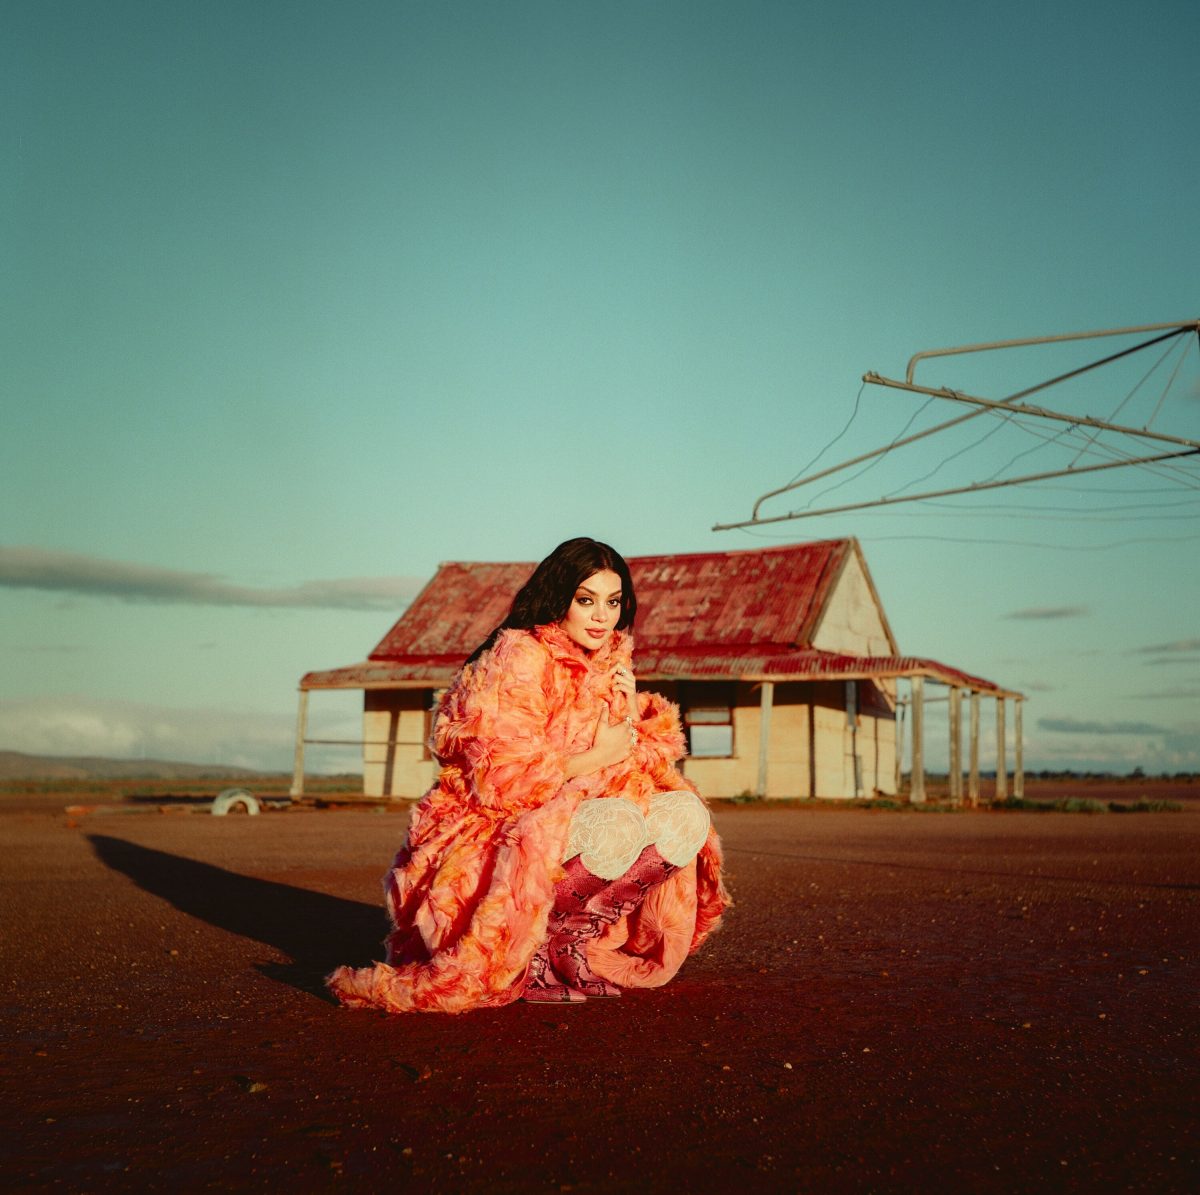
column 900, row 1001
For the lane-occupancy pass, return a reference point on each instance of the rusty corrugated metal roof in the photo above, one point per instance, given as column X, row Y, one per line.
column 413, row 672
column 805, row 665
column 423, row 672
column 735, row 599
column 745, row 599
column 742, row 615
column 455, row 612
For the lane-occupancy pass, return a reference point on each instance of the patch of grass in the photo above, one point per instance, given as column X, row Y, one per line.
column 1145, row 805
column 743, row 798
column 1088, row 805
column 1062, row 805
column 902, row 805
column 1080, row 805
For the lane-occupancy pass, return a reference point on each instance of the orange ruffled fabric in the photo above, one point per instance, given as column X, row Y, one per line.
column 470, row 891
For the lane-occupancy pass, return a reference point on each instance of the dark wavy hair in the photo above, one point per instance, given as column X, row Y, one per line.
column 547, row 595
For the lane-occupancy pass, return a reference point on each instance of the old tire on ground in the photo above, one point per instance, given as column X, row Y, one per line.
column 231, row 798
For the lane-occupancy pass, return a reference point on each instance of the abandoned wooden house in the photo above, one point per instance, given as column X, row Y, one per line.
column 781, row 660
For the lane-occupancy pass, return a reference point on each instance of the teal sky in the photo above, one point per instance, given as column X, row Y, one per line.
column 301, row 299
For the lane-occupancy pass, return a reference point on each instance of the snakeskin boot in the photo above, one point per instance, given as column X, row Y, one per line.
column 584, row 906
column 543, row 984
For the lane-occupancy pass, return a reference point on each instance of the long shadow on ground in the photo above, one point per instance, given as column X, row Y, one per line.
column 317, row 931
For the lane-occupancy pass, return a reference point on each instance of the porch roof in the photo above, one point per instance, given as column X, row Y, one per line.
column 705, row 664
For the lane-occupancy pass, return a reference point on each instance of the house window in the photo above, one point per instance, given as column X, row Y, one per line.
column 708, row 720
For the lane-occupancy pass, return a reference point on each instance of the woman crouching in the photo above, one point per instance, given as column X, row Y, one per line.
column 559, row 855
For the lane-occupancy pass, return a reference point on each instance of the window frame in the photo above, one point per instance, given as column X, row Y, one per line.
column 712, row 698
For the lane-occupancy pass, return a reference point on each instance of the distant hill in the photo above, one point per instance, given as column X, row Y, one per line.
column 16, row 765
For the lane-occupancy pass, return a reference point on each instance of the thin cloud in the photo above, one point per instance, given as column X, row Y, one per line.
column 92, row 576
column 1182, row 694
column 80, row 725
column 1164, row 649
column 1074, row 726
column 1050, row 612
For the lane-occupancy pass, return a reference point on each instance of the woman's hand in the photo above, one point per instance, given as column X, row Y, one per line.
column 611, row 743
column 623, row 682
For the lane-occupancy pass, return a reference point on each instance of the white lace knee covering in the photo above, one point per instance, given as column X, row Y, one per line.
column 609, row 833
column 678, row 825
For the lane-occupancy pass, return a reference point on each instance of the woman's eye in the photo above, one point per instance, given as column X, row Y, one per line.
column 614, row 602
column 584, row 601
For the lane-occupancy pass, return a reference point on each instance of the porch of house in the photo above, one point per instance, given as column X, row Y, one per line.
column 829, row 739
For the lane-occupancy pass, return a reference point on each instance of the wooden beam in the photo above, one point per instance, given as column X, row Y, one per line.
column 301, row 727
column 852, row 725
column 955, row 745
column 1018, row 751
column 1001, row 760
column 917, row 786
column 766, row 699
column 973, row 765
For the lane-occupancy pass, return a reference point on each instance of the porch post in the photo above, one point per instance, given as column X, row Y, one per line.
column 917, row 787
column 955, row 745
column 767, row 696
column 1018, row 751
column 1001, row 755
column 973, row 765
column 301, row 728
column 852, row 724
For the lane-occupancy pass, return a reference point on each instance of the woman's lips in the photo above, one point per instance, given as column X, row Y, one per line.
column 596, row 634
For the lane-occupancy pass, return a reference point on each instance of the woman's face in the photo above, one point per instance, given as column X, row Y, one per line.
column 594, row 610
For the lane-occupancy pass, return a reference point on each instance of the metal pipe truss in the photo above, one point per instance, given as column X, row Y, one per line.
column 981, row 406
